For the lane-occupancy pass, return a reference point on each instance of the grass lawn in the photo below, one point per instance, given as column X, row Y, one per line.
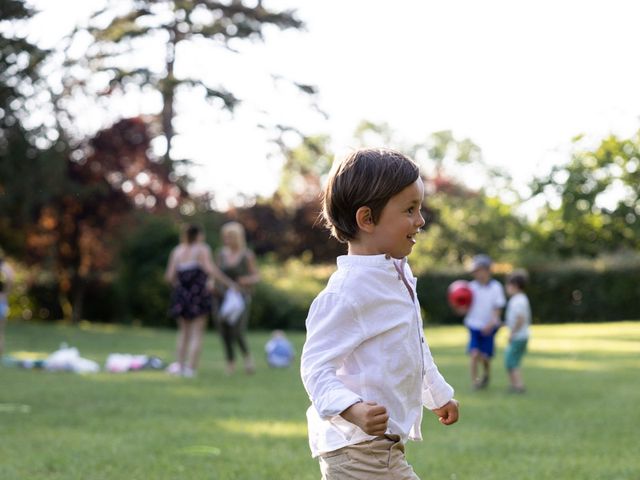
column 580, row 419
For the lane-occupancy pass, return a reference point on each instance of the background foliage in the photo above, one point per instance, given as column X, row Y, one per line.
column 88, row 220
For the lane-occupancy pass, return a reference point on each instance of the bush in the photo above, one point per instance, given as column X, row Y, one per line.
column 582, row 294
column 569, row 292
column 582, row 291
column 283, row 297
column 141, row 282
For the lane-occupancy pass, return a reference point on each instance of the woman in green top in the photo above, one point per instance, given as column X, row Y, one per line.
column 239, row 264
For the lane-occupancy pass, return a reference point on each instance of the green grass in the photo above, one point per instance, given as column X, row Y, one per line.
column 579, row 419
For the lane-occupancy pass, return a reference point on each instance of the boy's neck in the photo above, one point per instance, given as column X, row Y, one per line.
column 364, row 251
column 362, row 248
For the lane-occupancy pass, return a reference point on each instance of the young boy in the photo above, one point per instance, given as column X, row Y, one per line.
column 518, row 319
column 483, row 319
column 365, row 364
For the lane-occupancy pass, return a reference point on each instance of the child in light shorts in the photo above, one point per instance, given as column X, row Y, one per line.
column 517, row 319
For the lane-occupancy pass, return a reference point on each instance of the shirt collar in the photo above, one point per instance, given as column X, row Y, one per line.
column 381, row 261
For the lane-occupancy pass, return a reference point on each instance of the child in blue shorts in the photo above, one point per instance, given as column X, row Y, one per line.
column 483, row 319
column 518, row 319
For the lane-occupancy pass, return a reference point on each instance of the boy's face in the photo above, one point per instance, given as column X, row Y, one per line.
column 482, row 275
column 399, row 222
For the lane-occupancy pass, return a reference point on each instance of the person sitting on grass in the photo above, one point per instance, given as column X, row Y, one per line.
column 365, row 363
column 280, row 352
column 517, row 319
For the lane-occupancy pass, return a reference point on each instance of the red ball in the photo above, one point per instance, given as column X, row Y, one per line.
column 459, row 294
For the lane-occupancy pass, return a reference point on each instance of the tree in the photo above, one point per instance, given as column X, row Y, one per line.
column 26, row 160
column 77, row 233
column 305, row 167
column 176, row 25
column 591, row 205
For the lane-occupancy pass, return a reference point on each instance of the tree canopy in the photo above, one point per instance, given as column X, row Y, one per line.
column 117, row 35
column 591, row 204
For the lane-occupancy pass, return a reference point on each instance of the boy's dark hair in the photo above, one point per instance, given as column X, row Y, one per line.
column 192, row 233
column 366, row 177
column 519, row 278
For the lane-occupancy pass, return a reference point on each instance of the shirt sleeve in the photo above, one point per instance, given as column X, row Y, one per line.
column 333, row 332
column 436, row 392
column 499, row 300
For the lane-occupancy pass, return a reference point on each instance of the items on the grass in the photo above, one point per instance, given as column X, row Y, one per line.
column 126, row 362
column 25, row 360
column 68, row 359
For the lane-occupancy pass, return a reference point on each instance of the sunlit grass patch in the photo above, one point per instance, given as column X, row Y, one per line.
column 578, row 419
column 276, row 429
column 14, row 408
column 201, row 450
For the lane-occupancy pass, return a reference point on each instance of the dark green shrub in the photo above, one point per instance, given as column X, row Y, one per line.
column 567, row 292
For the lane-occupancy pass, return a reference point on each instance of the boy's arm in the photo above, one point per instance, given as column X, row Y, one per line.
column 436, row 392
column 333, row 332
column 520, row 320
column 498, row 305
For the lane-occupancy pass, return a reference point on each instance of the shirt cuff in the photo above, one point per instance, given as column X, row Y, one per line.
column 436, row 396
column 338, row 403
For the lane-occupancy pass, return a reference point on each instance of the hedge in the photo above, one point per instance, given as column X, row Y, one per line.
column 558, row 294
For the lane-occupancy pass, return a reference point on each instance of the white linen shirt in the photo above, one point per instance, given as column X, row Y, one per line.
column 365, row 342
column 486, row 298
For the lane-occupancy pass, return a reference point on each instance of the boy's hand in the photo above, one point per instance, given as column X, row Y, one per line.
column 448, row 413
column 369, row 416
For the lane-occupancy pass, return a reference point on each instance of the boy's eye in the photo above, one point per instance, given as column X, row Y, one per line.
column 411, row 209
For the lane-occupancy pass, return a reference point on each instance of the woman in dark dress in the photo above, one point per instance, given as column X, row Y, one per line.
column 238, row 263
column 191, row 272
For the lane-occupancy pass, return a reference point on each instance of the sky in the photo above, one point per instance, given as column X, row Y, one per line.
column 520, row 79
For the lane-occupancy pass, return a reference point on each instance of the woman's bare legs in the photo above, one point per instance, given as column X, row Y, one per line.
column 196, row 330
column 182, row 342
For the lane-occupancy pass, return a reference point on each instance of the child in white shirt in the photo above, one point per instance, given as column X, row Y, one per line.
column 483, row 319
column 518, row 319
column 365, row 363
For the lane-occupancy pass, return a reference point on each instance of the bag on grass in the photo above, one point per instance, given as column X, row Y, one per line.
column 232, row 306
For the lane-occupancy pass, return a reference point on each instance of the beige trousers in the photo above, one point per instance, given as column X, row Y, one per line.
column 381, row 458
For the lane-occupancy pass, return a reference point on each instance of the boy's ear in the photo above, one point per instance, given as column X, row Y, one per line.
column 364, row 219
